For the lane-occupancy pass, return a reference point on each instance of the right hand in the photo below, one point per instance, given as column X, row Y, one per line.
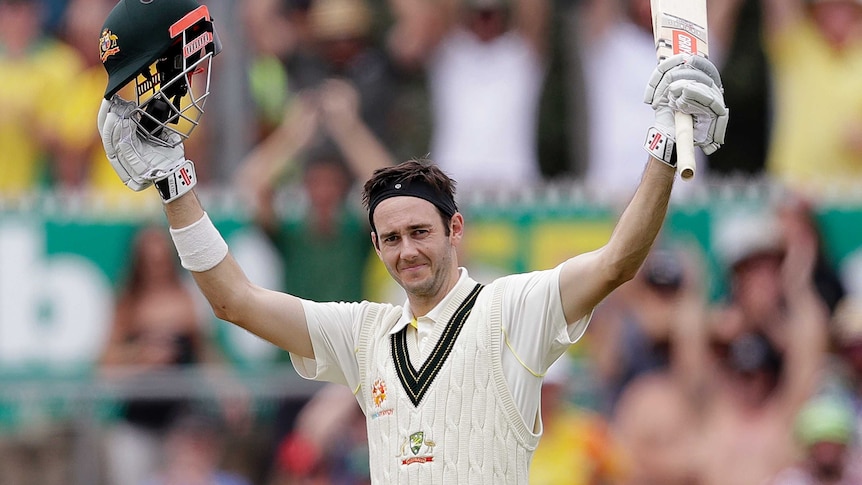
column 137, row 161
column 339, row 105
column 691, row 85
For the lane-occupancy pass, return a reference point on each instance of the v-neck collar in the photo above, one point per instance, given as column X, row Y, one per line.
column 417, row 383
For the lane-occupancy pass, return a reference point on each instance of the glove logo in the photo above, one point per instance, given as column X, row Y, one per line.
column 107, row 45
column 660, row 146
column 185, row 177
column 657, row 140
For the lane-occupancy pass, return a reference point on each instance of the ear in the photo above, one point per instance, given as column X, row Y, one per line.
column 376, row 244
column 456, row 228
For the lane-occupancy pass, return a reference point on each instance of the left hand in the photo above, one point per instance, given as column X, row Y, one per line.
column 339, row 105
column 691, row 85
column 137, row 161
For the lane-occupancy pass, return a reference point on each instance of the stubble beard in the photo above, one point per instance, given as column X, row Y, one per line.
column 431, row 286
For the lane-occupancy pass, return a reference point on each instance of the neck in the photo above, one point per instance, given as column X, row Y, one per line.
column 420, row 305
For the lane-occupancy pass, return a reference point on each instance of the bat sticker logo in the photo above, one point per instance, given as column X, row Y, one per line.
column 684, row 43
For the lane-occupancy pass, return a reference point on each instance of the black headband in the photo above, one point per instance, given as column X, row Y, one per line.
column 412, row 188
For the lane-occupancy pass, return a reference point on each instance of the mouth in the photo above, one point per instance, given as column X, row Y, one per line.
column 411, row 268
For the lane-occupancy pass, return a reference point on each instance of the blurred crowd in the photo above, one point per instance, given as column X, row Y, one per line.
column 756, row 382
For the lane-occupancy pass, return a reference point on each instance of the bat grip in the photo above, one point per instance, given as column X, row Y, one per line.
column 684, row 145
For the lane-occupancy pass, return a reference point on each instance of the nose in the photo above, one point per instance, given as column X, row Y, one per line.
column 408, row 248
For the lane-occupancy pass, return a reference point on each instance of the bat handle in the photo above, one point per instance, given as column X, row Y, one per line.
column 684, row 145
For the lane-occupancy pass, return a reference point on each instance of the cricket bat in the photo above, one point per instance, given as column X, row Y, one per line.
column 679, row 26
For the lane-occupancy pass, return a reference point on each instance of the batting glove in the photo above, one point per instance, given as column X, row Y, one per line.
column 138, row 162
column 691, row 85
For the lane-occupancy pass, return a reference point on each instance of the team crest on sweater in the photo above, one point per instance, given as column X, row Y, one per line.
column 417, row 448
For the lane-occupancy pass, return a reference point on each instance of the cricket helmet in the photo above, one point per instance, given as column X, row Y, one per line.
column 161, row 45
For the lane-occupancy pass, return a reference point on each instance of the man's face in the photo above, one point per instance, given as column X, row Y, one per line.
column 757, row 286
column 839, row 22
column 411, row 241
column 327, row 185
column 827, row 459
column 487, row 23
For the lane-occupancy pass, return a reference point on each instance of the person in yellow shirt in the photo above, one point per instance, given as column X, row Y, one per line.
column 35, row 70
column 81, row 165
column 815, row 50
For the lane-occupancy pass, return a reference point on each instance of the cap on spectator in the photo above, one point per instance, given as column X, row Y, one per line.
column 663, row 270
column 339, row 19
column 825, row 419
column 752, row 352
column 847, row 320
column 739, row 237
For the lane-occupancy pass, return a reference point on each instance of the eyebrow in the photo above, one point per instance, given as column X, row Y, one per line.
column 409, row 229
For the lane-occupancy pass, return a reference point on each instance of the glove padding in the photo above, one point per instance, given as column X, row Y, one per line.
column 691, row 85
column 137, row 162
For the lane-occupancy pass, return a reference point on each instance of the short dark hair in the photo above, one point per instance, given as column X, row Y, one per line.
column 417, row 171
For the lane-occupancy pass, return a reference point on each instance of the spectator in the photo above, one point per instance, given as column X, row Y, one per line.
column 329, row 443
column 655, row 417
column 327, row 234
column 738, row 373
column 157, row 328
column 35, row 70
column 815, row 47
column 37, row 453
column 80, row 163
column 634, row 336
column 737, row 44
column 274, row 29
column 192, row 453
column 610, row 32
column 847, row 368
column 770, row 339
column 342, row 46
column 324, row 246
column 824, row 429
column 797, row 215
column 655, row 426
column 486, row 66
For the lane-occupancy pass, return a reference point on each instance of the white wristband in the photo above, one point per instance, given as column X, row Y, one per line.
column 199, row 245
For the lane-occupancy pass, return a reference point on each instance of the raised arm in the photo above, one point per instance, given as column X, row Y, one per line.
column 363, row 151
column 532, row 20
column 418, row 27
column 276, row 317
column 681, row 83
column 588, row 278
column 595, row 18
column 805, row 329
column 260, row 170
column 271, row 315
